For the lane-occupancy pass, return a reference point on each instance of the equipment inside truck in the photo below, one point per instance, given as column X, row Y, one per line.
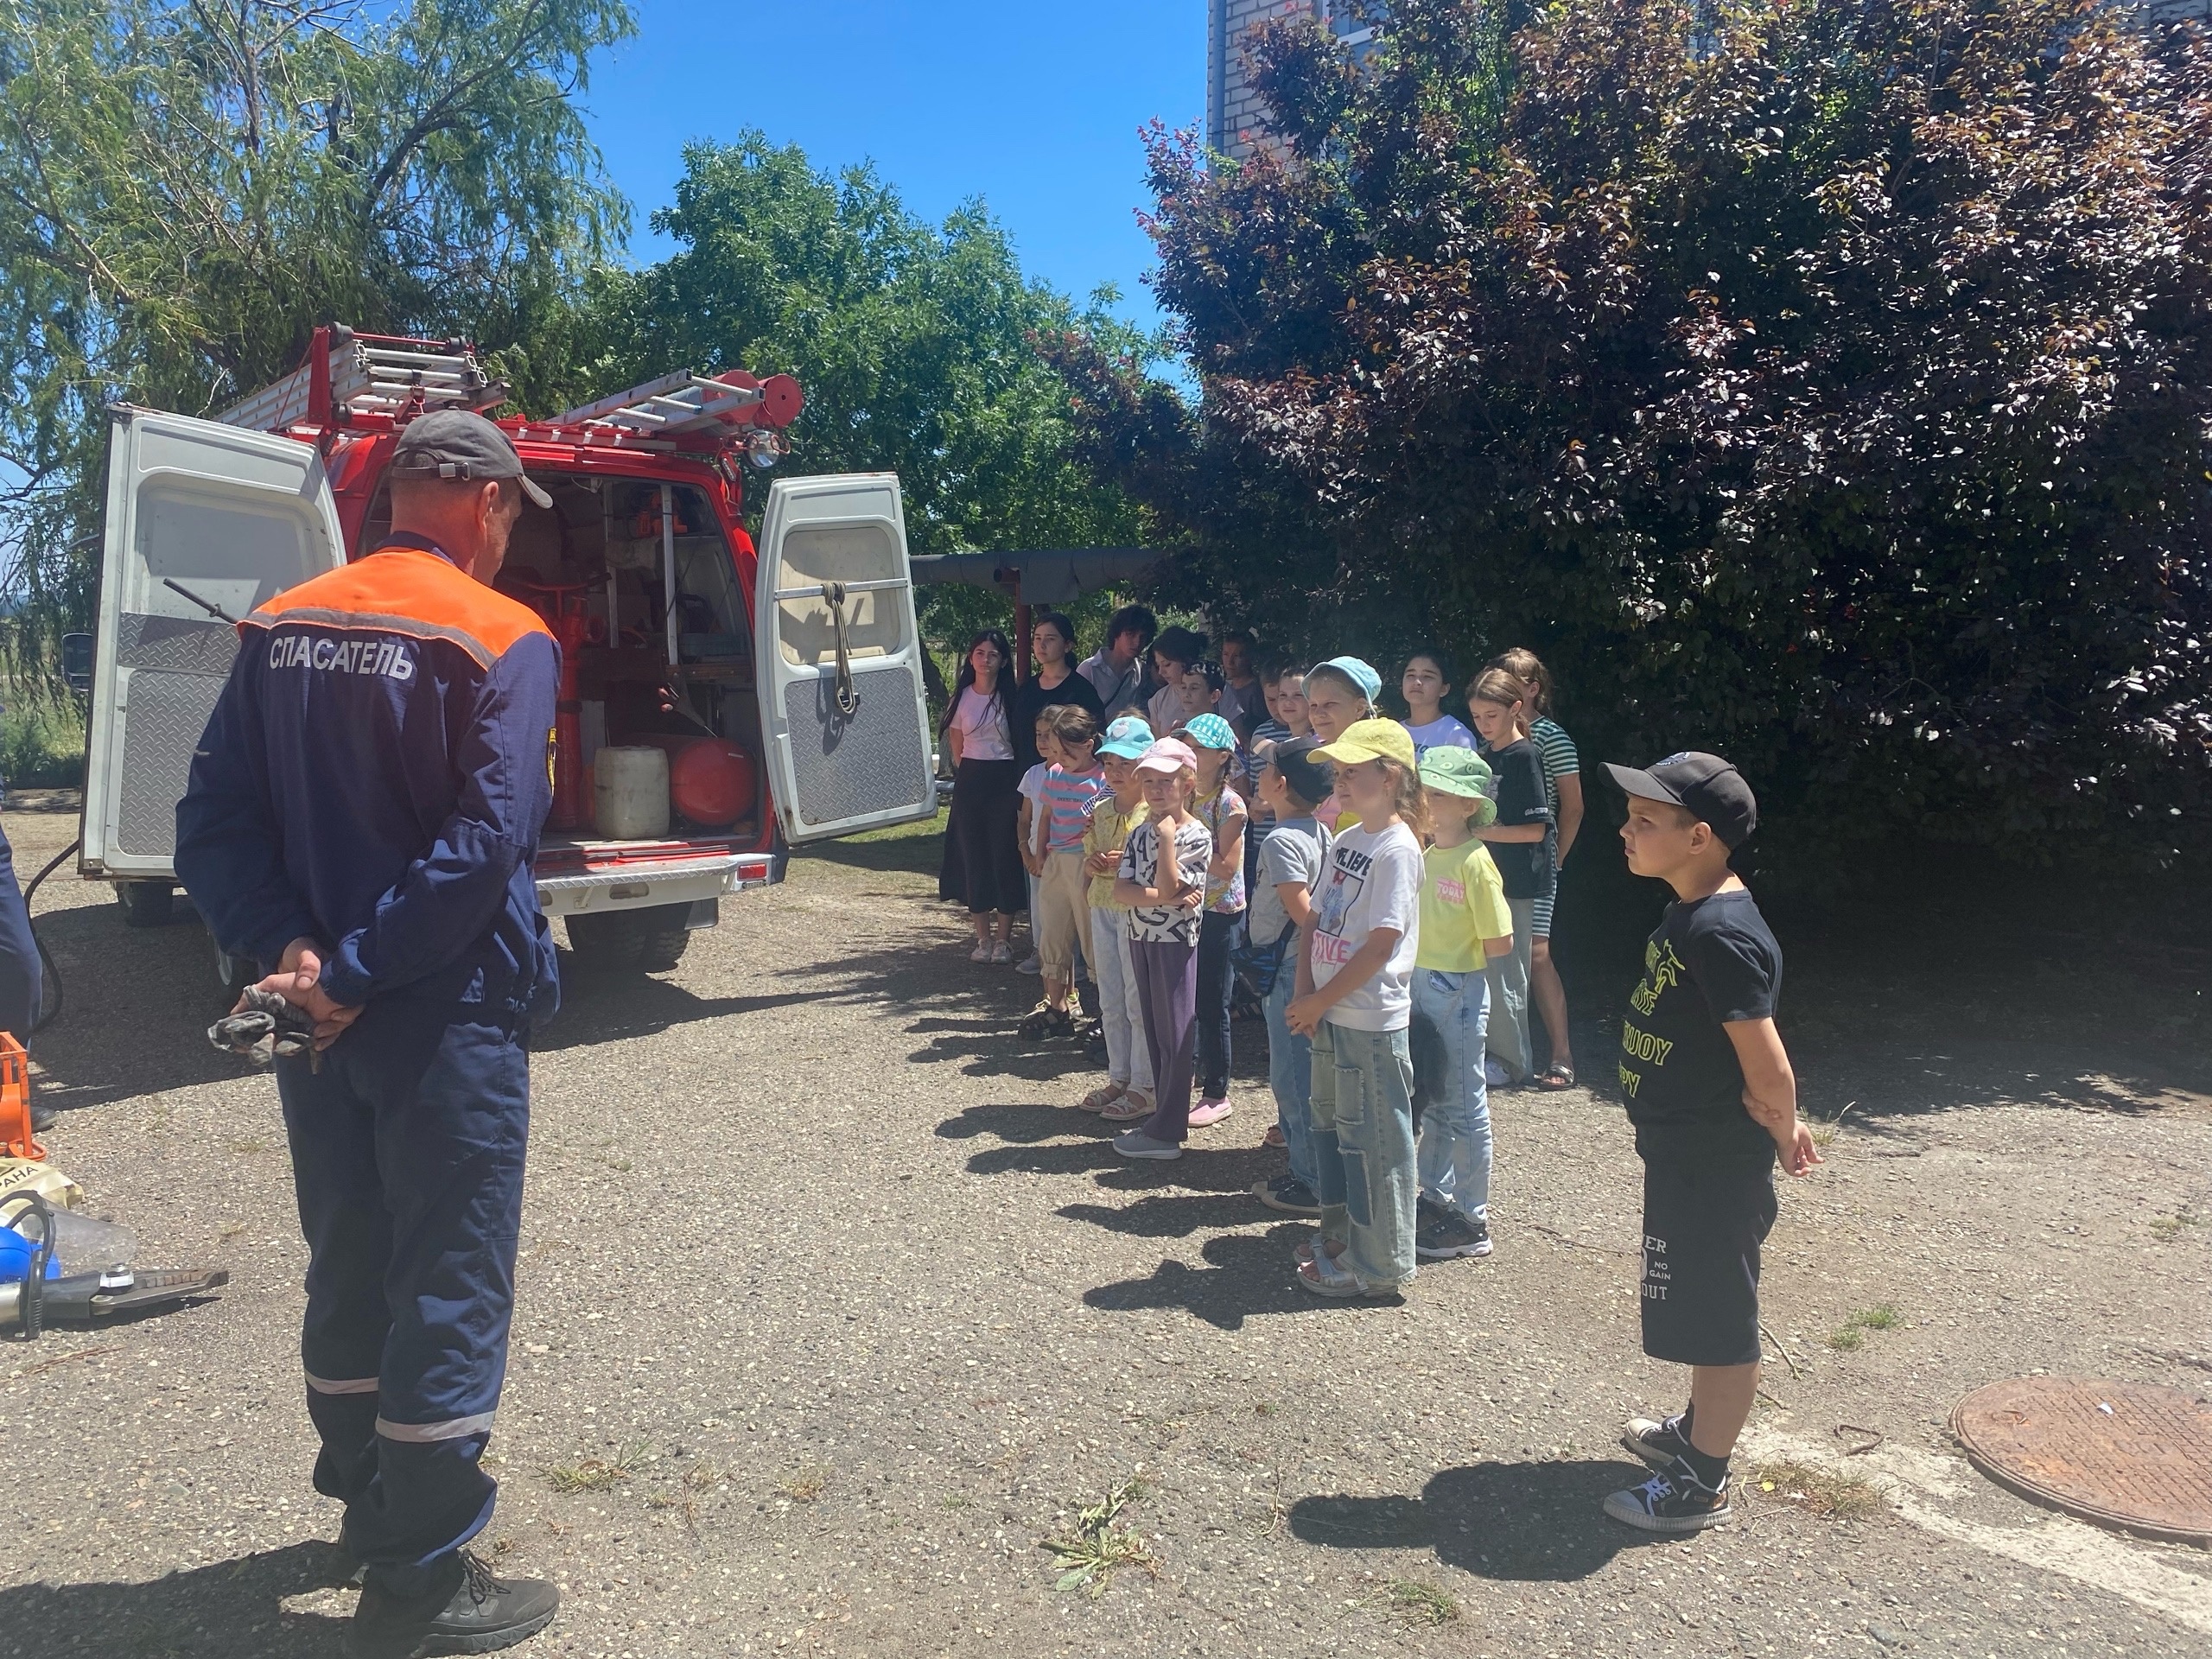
column 596, row 566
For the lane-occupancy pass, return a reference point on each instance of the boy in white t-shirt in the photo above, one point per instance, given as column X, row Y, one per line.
column 1355, row 1000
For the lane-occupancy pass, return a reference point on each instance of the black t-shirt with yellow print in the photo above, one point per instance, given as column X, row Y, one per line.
column 1711, row 961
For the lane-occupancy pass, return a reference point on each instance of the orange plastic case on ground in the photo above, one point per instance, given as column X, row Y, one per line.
column 15, row 1138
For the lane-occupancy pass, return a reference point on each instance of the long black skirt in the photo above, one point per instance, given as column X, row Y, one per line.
column 983, row 843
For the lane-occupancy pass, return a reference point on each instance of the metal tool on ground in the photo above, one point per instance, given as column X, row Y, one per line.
column 77, row 1270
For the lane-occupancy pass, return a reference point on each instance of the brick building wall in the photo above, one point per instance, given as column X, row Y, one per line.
column 1235, row 119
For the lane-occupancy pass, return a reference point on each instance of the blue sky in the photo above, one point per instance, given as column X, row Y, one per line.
column 1034, row 108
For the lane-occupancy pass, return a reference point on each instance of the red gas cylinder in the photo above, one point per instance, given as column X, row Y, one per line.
column 711, row 782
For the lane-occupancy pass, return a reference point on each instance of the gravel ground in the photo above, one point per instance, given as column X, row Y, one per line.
column 832, row 1307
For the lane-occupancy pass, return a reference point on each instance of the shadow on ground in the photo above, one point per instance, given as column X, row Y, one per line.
column 1530, row 1522
column 1247, row 1274
column 226, row 1611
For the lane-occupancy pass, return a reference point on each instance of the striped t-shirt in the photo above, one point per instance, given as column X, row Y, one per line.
column 1556, row 750
column 1068, row 796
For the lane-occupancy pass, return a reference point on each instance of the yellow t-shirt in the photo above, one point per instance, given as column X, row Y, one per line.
column 1462, row 904
column 1108, row 830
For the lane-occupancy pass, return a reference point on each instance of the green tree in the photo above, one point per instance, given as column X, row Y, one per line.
column 916, row 345
column 1827, row 384
column 187, row 188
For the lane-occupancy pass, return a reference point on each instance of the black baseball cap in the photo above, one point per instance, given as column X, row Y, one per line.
column 1706, row 784
column 1311, row 776
column 455, row 443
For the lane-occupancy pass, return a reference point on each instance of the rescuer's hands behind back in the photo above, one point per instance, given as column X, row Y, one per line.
column 295, row 979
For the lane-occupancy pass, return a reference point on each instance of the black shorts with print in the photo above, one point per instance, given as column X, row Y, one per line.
column 1704, row 1220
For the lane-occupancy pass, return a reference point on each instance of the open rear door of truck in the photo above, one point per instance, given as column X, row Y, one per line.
column 841, row 702
column 234, row 517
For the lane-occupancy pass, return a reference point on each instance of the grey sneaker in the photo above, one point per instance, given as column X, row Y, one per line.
column 1673, row 1500
column 1137, row 1144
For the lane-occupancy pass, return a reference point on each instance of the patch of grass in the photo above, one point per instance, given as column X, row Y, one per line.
column 244, row 1148
column 1818, row 1491
column 700, row 1476
column 229, row 1230
column 2166, row 1229
column 1090, row 1555
column 1417, row 1602
column 1265, row 1408
column 42, row 741
column 1851, row 1336
column 806, row 1485
column 594, row 1474
column 955, row 1501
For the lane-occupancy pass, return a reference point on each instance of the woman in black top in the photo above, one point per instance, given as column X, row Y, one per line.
column 982, row 848
column 1051, row 636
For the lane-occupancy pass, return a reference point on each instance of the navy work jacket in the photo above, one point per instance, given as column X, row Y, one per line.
column 375, row 777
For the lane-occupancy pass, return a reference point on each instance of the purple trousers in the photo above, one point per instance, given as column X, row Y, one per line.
column 1167, row 996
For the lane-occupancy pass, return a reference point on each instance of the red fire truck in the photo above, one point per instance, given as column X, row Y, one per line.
column 782, row 682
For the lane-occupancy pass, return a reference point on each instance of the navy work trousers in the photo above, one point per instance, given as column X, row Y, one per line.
column 407, row 1155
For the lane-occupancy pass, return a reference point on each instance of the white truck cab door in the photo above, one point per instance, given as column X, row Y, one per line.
column 842, row 707
column 234, row 516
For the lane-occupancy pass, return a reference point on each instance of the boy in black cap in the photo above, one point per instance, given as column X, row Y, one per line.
column 1710, row 1091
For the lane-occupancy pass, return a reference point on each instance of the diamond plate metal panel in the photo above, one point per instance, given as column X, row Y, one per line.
column 167, row 712
column 877, row 762
column 196, row 647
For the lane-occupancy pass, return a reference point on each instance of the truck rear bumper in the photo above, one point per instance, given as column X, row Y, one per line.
column 568, row 885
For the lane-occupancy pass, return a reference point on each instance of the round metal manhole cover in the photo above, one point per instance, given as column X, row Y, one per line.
column 2123, row 1453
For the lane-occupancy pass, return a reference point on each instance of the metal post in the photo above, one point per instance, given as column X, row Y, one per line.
column 1021, row 634
column 605, row 543
column 668, row 565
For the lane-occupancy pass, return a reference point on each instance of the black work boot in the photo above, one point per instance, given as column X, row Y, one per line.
column 460, row 1608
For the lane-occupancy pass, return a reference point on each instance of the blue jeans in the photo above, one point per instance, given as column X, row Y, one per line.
column 1290, row 1074
column 1364, row 1149
column 1455, row 1140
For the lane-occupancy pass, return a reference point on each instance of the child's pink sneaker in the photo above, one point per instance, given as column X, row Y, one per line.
column 1209, row 1111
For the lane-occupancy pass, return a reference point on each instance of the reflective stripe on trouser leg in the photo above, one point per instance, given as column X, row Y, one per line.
column 449, row 1104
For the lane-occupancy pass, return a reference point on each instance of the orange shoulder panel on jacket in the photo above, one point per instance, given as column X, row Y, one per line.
column 403, row 585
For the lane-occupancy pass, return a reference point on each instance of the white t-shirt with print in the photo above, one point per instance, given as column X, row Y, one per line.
column 1373, row 880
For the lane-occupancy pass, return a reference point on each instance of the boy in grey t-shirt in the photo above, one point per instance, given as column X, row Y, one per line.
column 1292, row 783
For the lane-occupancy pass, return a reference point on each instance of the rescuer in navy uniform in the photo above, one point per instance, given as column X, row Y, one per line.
column 362, row 813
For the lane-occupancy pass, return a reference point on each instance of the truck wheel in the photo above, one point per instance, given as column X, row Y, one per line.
column 146, row 904
column 666, row 937
column 651, row 940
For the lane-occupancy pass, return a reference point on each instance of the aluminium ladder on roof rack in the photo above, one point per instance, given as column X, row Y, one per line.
column 675, row 403
column 370, row 374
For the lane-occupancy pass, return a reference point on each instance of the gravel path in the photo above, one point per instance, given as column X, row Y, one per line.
column 832, row 1307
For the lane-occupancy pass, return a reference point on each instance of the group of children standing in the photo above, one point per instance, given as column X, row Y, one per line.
column 1386, row 887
